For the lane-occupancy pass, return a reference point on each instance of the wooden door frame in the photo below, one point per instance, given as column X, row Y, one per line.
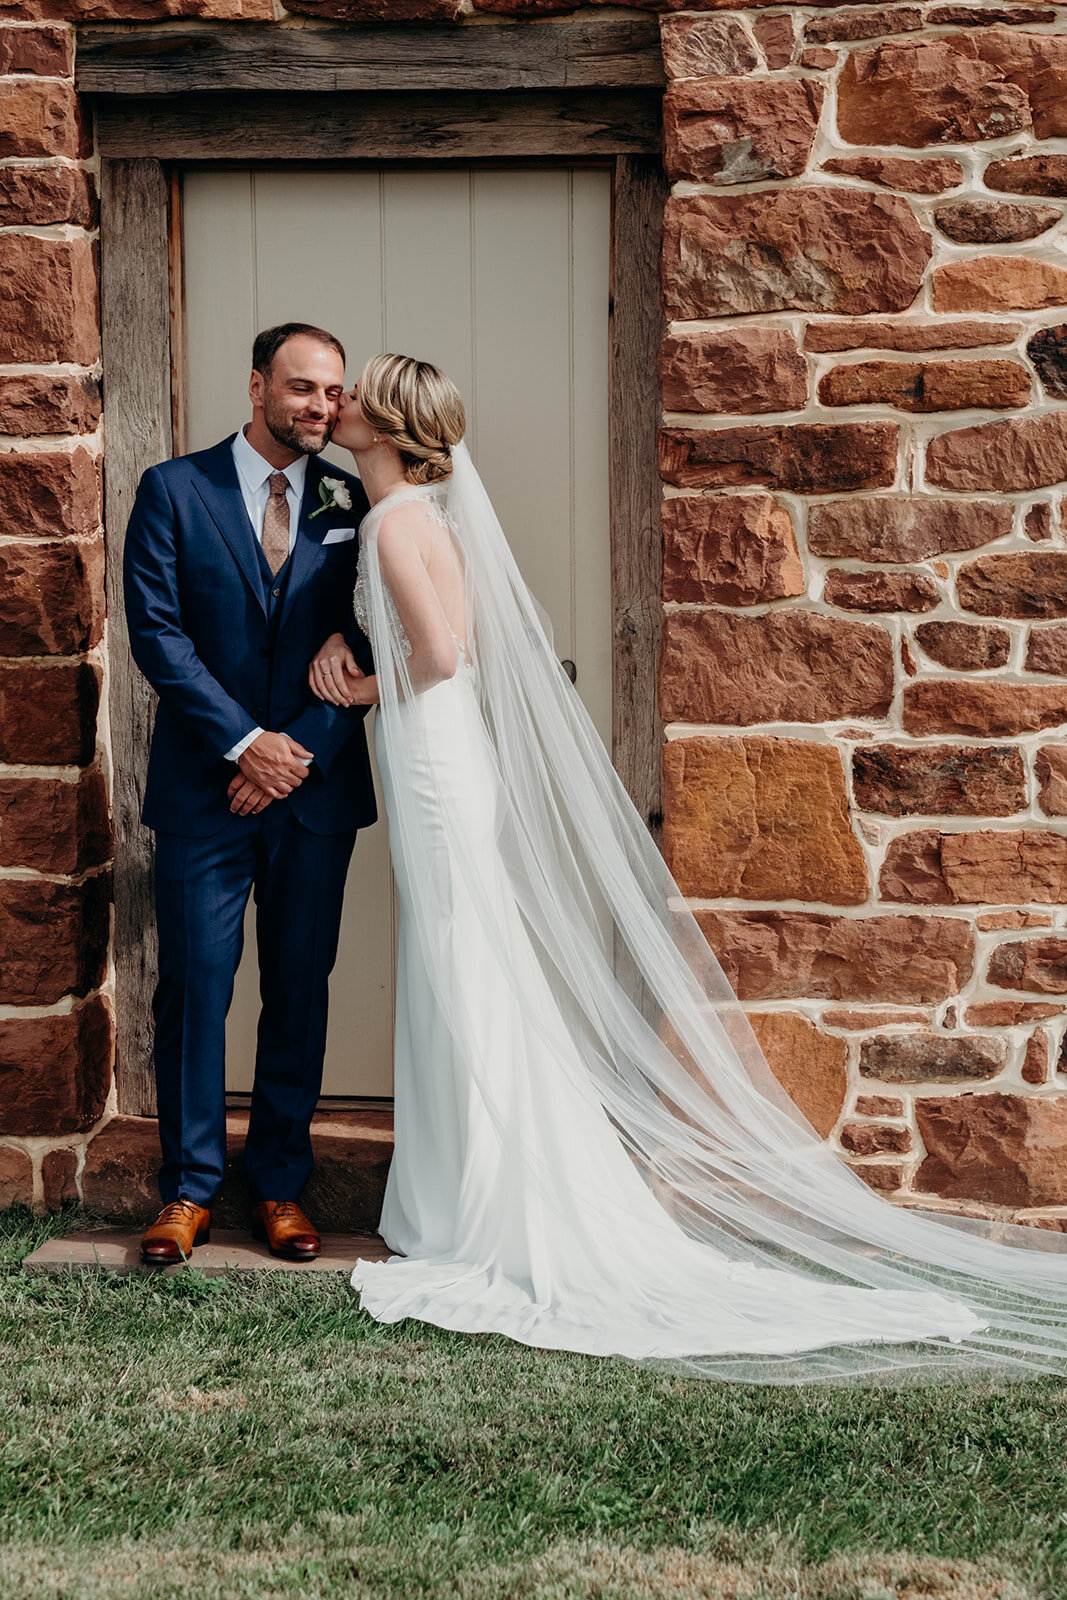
column 143, row 145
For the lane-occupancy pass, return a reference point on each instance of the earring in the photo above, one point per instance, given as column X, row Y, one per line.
column 376, row 438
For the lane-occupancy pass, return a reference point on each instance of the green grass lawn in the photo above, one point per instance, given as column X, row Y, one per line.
column 213, row 1437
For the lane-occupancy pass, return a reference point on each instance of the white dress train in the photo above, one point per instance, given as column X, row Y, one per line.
column 512, row 1201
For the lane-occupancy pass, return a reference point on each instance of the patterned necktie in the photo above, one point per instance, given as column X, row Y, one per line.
column 276, row 523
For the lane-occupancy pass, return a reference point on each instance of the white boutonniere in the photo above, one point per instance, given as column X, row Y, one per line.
column 334, row 495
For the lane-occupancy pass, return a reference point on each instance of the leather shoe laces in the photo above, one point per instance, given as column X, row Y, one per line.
column 280, row 1209
column 178, row 1211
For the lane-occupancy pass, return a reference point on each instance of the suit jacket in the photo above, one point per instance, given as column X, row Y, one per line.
column 226, row 649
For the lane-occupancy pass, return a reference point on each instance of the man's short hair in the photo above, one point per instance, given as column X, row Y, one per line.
column 269, row 342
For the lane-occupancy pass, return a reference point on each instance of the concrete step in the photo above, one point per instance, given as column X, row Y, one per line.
column 229, row 1250
column 352, row 1154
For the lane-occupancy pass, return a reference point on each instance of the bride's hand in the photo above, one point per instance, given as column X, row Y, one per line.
column 334, row 673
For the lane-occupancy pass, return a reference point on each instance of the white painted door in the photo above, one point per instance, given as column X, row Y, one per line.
column 499, row 277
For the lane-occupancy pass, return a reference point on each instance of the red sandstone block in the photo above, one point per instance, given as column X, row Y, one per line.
column 1035, row 62
column 737, row 130
column 983, row 867
column 896, row 172
column 806, row 458
column 48, row 712
column 51, row 598
column 16, row 1178
column 48, row 300
column 877, row 1105
column 41, row 118
column 869, row 1139
column 54, row 826
column 999, row 283
column 1035, row 1062
column 140, row 10
column 999, row 1149
column 729, row 549
column 1016, row 583
column 880, row 591
column 903, row 333
column 760, row 819
column 808, row 1064
column 707, row 47
column 733, row 370
column 787, row 666
column 49, row 495
column 915, row 93
column 792, row 955
column 41, row 52
column 119, row 1176
column 1046, row 175
column 58, row 1175
column 939, row 780
column 53, row 938
column 810, row 248
column 777, row 39
column 927, row 386
column 1017, row 453
column 44, row 402
column 39, row 196
column 55, row 1071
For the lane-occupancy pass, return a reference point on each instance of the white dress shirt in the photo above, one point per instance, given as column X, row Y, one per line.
column 253, row 475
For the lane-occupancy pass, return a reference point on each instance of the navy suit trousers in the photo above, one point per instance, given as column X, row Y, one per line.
column 202, row 889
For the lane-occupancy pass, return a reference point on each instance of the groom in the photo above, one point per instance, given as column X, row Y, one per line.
column 239, row 561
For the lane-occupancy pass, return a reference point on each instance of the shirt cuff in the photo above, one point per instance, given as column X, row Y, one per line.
column 242, row 745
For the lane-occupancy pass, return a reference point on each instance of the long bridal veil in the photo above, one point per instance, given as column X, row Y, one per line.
column 641, row 1019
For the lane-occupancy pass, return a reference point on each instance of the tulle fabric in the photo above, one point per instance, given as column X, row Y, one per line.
column 592, row 1153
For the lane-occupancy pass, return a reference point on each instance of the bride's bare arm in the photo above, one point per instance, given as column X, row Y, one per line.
column 434, row 653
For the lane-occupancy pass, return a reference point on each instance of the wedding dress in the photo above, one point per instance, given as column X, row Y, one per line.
column 591, row 1153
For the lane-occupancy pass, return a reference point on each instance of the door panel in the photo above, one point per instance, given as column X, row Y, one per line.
column 499, row 277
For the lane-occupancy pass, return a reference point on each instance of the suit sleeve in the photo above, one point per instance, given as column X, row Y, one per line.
column 320, row 727
column 160, row 647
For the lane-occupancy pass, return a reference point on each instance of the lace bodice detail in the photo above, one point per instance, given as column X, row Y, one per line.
column 361, row 600
column 361, row 607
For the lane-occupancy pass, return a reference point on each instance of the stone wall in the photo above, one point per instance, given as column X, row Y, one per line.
column 865, row 572
column 55, row 840
column 864, row 453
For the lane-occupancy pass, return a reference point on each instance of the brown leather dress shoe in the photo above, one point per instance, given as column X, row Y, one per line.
column 175, row 1231
column 283, row 1227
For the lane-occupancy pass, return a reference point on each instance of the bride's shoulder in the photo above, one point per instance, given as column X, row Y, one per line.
column 410, row 522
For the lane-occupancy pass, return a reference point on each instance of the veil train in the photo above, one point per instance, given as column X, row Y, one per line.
column 634, row 1015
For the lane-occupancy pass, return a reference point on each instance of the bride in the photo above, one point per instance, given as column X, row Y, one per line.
column 591, row 1152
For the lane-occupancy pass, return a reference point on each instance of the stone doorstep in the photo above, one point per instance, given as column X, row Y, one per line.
column 352, row 1151
column 230, row 1250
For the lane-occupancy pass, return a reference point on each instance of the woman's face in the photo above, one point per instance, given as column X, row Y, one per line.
column 352, row 431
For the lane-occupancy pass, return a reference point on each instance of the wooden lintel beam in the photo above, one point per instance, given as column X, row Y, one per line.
column 583, row 53
column 382, row 127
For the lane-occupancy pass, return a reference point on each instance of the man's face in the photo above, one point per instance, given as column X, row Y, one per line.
column 300, row 394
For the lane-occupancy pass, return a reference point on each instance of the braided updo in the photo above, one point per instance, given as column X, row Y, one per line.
column 418, row 408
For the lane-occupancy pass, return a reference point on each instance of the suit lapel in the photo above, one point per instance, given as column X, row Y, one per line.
column 220, row 492
column 309, row 536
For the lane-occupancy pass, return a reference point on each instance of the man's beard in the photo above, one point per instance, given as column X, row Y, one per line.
column 291, row 432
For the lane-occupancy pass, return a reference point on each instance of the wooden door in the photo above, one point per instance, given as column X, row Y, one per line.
column 500, row 277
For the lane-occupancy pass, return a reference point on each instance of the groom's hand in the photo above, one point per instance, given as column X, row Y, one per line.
column 275, row 764
column 246, row 797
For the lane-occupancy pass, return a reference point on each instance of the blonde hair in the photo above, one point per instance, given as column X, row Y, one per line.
column 418, row 408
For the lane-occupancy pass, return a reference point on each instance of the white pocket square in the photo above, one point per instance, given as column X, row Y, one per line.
column 339, row 535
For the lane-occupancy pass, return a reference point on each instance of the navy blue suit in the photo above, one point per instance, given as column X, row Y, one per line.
column 226, row 646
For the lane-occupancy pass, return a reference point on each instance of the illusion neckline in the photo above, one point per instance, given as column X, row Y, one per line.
column 410, row 491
